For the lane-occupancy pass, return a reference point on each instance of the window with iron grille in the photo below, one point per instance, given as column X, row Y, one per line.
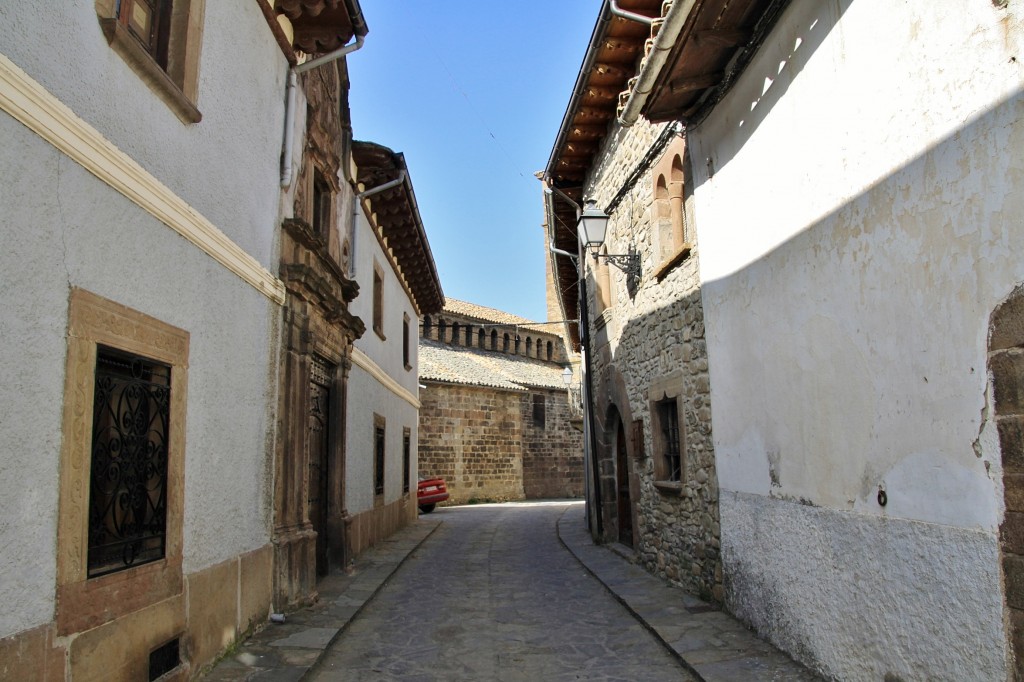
column 406, row 459
column 668, row 417
column 128, row 478
column 378, row 454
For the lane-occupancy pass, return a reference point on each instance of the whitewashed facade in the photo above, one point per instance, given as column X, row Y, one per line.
column 140, row 203
column 858, row 200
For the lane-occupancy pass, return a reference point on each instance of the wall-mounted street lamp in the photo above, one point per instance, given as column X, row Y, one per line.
column 592, row 228
column 567, row 377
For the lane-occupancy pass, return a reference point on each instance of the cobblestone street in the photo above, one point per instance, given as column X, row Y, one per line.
column 493, row 595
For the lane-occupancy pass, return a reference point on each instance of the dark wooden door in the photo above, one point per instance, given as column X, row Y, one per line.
column 625, row 508
column 319, row 432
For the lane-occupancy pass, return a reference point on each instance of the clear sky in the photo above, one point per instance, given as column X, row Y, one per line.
column 473, row 94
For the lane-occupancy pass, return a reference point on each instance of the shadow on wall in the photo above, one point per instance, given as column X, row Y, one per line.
column 851, row 359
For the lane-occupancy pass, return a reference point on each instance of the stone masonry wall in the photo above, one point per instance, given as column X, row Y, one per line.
column 552, row 453
column 650, row 339
column 483, row 442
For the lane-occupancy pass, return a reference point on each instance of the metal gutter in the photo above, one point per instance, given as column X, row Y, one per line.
column 650, row 67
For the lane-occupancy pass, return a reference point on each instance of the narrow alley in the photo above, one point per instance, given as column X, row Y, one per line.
column 492, row 595
column 513, row 591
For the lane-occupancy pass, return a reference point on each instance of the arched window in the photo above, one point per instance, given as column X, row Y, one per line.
column 427, row 324
column 442, row 330
column 494, row 339
column 455, row 333
column 517, row 344
column 675, row 198
column 529, row 346
column 469, row 336
column 504, row 346
column 481, row 335
column 550, row 347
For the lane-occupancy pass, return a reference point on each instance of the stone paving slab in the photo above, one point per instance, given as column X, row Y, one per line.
column 711, row 643
column 285, row 652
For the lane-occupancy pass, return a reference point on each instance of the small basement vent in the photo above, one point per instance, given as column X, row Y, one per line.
column 164, row 659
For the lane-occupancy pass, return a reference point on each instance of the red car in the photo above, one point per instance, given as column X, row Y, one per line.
column 429, row 492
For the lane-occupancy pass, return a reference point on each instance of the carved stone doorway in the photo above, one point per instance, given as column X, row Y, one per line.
column 319, row 444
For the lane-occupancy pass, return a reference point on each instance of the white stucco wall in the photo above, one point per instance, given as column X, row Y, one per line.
column 65, row 228
column 859, row 210
column 367, row 394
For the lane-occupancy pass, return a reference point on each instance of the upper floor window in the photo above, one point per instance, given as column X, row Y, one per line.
column 428, row 327
column 160, row 40
column 672, row 242
column 406, row 359
column 150, row 23
column 321, row 206
column 378, row 301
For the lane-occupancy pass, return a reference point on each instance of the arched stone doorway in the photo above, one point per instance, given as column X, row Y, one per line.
column 1006, row 367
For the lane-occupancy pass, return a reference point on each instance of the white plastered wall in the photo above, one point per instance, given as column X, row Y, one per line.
column 368, row 393
column 65, row 228
column 859, row 212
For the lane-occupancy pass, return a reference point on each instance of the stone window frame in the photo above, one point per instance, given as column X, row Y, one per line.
column 177, row 85
column 84, row 603
column 669, row 182
column 667, row 389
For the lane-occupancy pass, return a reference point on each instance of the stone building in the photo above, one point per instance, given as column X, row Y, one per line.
column 497, row 422
column 846, row 303
column 651, row 444
column 175, row 317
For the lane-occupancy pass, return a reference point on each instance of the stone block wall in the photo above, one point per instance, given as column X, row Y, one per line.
column 482, row 441
column 552, row 453
column 649, row 340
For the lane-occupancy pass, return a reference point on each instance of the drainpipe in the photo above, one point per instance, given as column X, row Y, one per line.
column 355, row 214
column 632, row 16
column 587, row 385
column 289, row 110
column 651, row 66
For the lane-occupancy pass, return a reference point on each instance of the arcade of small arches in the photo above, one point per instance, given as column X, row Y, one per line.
column 500, row 338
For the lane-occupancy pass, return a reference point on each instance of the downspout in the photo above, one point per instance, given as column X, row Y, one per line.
column 289, row 111
column 587, row 385
column 613, row 5
column 356, row 204
column 651, row 66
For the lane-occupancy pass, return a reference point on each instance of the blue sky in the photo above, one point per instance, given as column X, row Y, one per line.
column 473, row 94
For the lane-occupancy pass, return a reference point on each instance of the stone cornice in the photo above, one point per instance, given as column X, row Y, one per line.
column 31, row 104
column 363, row 361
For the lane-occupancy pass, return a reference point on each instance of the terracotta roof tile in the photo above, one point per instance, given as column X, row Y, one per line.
column 482, row 313
column 474, row 367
